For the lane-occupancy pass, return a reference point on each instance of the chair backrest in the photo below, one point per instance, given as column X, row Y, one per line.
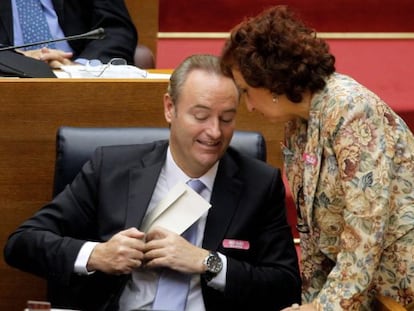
column 75, row 146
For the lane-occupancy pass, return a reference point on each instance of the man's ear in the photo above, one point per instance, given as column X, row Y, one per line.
column 168, row 107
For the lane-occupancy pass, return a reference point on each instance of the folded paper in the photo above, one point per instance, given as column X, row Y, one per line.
column 176, row 212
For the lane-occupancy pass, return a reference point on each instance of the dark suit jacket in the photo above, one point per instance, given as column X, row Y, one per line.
column 79, row 16
column 112, row 193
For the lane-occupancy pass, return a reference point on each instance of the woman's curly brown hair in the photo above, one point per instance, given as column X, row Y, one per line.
column 276, row 51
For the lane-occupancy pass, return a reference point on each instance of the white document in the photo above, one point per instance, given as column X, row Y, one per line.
column 177, row 211
column 107, row 71
column 102, row 71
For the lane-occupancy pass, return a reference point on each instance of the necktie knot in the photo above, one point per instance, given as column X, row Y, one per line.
column 197, row 185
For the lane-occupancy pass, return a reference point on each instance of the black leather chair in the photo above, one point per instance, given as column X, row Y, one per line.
column 75, row 146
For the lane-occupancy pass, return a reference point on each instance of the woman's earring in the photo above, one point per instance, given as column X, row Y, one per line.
column 275, row 98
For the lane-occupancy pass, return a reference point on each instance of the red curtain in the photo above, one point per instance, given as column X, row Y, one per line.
column 323, row 15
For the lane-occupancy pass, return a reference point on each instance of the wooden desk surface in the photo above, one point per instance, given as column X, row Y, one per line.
column 31, row 110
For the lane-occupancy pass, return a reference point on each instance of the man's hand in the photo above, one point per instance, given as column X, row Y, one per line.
column 120, row 255
column 55, row 58
column 168, row 249
column 296, row 307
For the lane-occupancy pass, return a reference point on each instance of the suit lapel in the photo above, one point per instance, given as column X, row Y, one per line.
column 58, row 5
column 6, row 20
column 224, row 203
column 142, row 181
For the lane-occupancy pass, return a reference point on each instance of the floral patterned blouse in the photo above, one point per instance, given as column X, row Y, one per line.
column 350, row 166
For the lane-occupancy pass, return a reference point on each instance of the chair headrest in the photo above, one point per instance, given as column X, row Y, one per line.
column 75, row 146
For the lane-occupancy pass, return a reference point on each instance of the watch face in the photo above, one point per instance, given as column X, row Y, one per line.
column 214, row 263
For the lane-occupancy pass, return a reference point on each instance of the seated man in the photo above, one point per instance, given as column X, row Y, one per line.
column 89, row 242
column 67, row 18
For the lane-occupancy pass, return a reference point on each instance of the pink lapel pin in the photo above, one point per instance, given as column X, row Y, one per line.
column 310, row 159
column 236, row 244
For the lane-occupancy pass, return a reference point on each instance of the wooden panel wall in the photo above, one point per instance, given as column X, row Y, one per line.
column 144, row 14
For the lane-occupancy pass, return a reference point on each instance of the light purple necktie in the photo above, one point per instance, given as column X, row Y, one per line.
column 173, row 286
column 33, row 23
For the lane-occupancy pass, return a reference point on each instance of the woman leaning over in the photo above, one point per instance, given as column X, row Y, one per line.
column 348, row 157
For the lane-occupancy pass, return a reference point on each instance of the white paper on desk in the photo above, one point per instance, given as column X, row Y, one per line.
column 102, row 71
column 177, row 211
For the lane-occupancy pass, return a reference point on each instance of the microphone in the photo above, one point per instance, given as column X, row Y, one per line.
column 95, row 34
column 15, row 64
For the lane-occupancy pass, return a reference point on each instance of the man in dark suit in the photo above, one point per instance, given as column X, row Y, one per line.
column 76, row 17
column 88, row 241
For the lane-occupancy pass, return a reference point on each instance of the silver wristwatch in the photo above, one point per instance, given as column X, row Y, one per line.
column 213, row 264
